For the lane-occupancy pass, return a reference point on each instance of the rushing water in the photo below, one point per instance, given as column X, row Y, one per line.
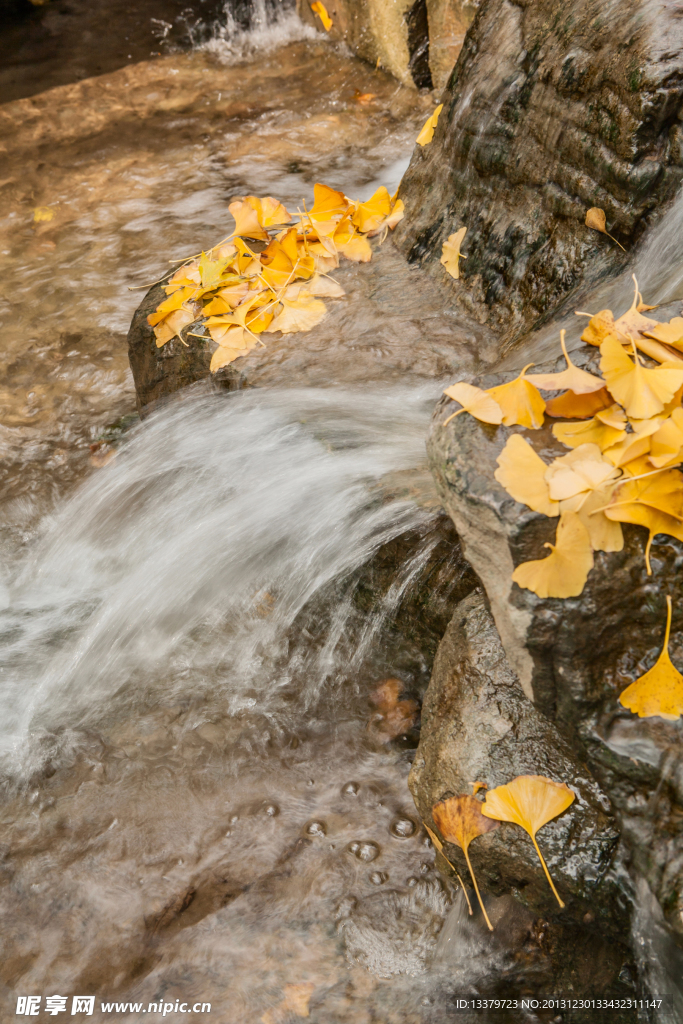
column 197, row 610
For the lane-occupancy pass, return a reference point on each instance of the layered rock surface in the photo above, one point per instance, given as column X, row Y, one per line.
column 551, row 109
column 574, row 657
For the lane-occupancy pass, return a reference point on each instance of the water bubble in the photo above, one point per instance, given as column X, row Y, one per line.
column 425, row 869
column 316, row 828
column 412, row 881
column 271, row 810
column 364, row 851
column 378, row 877
column 350, row 789
column 403, row 828
column 234, row 818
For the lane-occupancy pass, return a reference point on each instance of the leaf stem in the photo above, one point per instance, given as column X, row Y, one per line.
column 476, row 888
column 452, row 416
column 547, row 873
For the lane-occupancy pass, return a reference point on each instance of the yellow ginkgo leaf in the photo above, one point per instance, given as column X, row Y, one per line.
column 530, row 801
column 187, row 276
column 655, row 502
column 369, row 215
column 593, row 431
column 319, row 8
column 438, row 845
column 247, row 220
column 641, row 392
column 475, row 401
column 427, row 133
column 324, row 287
column 328, row 203
column 520, row 401
column 670, row 333
column 174, row 302
column 599, row 327
column 450, row 254
column 632, row 446
column 357, row 249
column 172, row 325
column 564, row 572
column 226, row 299
column 605, row 534
column 595, row 218
column 582, row 471
column 272, row 212
column 666, row 445
column 42, row 214
column 632, row 323
column 459, row 820
column 572, row 379
column 300, row 314
column 659, row 692
column 522, row 473
column 233, row 342
column 578, row 407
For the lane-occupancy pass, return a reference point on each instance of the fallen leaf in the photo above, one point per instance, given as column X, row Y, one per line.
column 226, row 299
column 427, row 133
column 234, row 342
column 642, row 392
column 367, row 216
column 42, row 214
column 666, row 445
column 459, row 819
column 564, row 572
column 296, row 1000
column 450, row 253
column 659, row 692
column 530, row 801
column 605, row 534
column 578, row 407
column 599, row 327
column 281, row 262
column 632, row 446
column 364, row 98
column 670, row 333
column 572, row 379
column 606, row 428
column 172, row 325
column 631, row 323
column 319, row 8
column 394, row 717
column 438, row 845
column 520, row 401
column 300, row 314
column 595, row 218
column 328, row 203
column 357, row 249
column 655, row 502
column 582, row 471
column 319, row 285
column 247, row 220
column 522, row 473
column 475, row 401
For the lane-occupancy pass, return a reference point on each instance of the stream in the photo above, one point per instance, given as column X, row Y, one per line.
column 201, row 802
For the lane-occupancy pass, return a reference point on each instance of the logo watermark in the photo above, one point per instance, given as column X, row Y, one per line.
column 30, row 1006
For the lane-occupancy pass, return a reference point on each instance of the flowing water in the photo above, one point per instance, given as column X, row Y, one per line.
column 204, row 800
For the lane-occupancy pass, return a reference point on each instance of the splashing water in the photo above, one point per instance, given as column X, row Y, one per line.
column 240, row 34
column 187, row 561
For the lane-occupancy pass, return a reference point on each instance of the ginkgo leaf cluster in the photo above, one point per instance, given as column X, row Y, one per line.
column 530, row 801
column 624, row 429
column 241, row 289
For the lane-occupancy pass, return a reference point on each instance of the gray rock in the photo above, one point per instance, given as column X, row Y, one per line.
column 478, row 725
column 552, row 108
column 574, row 657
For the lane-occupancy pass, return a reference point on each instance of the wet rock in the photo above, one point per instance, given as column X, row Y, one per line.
column 552, row 108
column 479, row 725
column 375, row 333
column 418, row 41
column 574, row 657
